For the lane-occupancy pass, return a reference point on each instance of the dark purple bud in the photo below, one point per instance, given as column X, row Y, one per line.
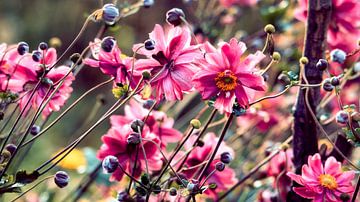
column 110, row 14
column 136, row 125
column 141, row 191
column 23, row 48
column 322, row 64
column 173, row 191
column 61, row 179
column 36, row 56
column 148, row 3
column 226, row 157
column 43, row 46
column 157, row 189
column 110, row 164
column 11, row 148
column 342, row 117
column 35, row 129
column 148, row 104
column 133, row 139
column 220, row 166
column 327, row 86
column 108, row 43
column 174, row 16
column 123, row 197
column 149, row 44
column 335, row 81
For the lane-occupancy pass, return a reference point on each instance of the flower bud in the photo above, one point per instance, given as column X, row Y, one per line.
column 36, row 56
column 276, row 56
column 174, row 16
column 322, row 64
column 145, row 179
column 195, row 123
column 148, row 3
column 35, row 129
column 335, row 81
column 133, row 139
column 123, row 197
column 108, row 43
column 146, row 75
column 141, row 191
column 327, row 86
column 304, row 60
column 338, row 55
column 149, row 44
column 61, row 179
column 136, row 124
column 345, row 197
column 220, row 166
column 148, row 104
column 76, row 58
column 43, row 46
column 226, row 157
column 173, row 191
column 342, row 117
column 110, row 164
column 23, row 48
column 269, row 28
column 157, row 189
column 11, row 148
column 110, row 14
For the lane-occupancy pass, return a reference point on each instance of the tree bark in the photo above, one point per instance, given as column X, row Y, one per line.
column 304, row 128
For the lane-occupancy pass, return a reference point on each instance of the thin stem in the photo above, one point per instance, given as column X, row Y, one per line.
column 354, row 196
column 271, row 96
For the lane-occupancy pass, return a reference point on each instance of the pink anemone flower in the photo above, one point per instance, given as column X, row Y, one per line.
column 224, row 179
column 115, row 143
column 224, row 76
column 158, row 122
column 322, row 183
column 112, row 63
column 170, row 63
column 28, row 73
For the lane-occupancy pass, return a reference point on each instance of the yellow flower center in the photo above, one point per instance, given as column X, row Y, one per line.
column 226, row 81
column 328, row 181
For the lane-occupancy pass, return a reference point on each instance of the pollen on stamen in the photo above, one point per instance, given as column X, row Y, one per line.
column 226, row 81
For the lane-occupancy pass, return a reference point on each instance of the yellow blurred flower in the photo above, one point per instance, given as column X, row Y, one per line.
column 75, row 160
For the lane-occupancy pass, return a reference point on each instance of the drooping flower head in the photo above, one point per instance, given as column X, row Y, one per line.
column 28, row 72
column 224, row 76
column 121, row 142
column 158, row 122
column 170, row 62
column 108, row 57
column 321, row 182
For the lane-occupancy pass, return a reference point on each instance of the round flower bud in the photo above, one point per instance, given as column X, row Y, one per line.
column 108, row 43
column 195, row 123
column 149, row 44
column 338, row 55
column 43, row 46
column 276, row 56
column 110, row 164
column 174, row 16
column 110, row 14
column 269, row 28
column 335, row 81
column 148, row 3
column 226, row 157
column 35, row 129
column 123, row 197
column 11, row 148
column 345, row 197
column 133, row 139
column 322, row 64
column 145, row 179
column 327, row 86
column 173, row 191
column 357, row 67
column 284, row 78
column 342, row 117
column 148, row 104
column 157, row 189
column 76, row 58
column 36, row 56
column 220, row 166
column 304, row 60
column 61, row 179
column 22, row 48
column 146, row 75
column 141, row 191
column 55, row 42
column 136, row 124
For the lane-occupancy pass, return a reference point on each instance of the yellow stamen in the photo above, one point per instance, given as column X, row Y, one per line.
column 328, row 181
column 226, row 81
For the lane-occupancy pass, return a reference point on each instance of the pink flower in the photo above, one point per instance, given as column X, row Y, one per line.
column 112, row 63
column 170, row 63
column 157, row 122
column 345, row 19
column 323, row 182
column 27, row 73
column 224, row 179
column 115, row 143
column 224, row 76
column 228, row 3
